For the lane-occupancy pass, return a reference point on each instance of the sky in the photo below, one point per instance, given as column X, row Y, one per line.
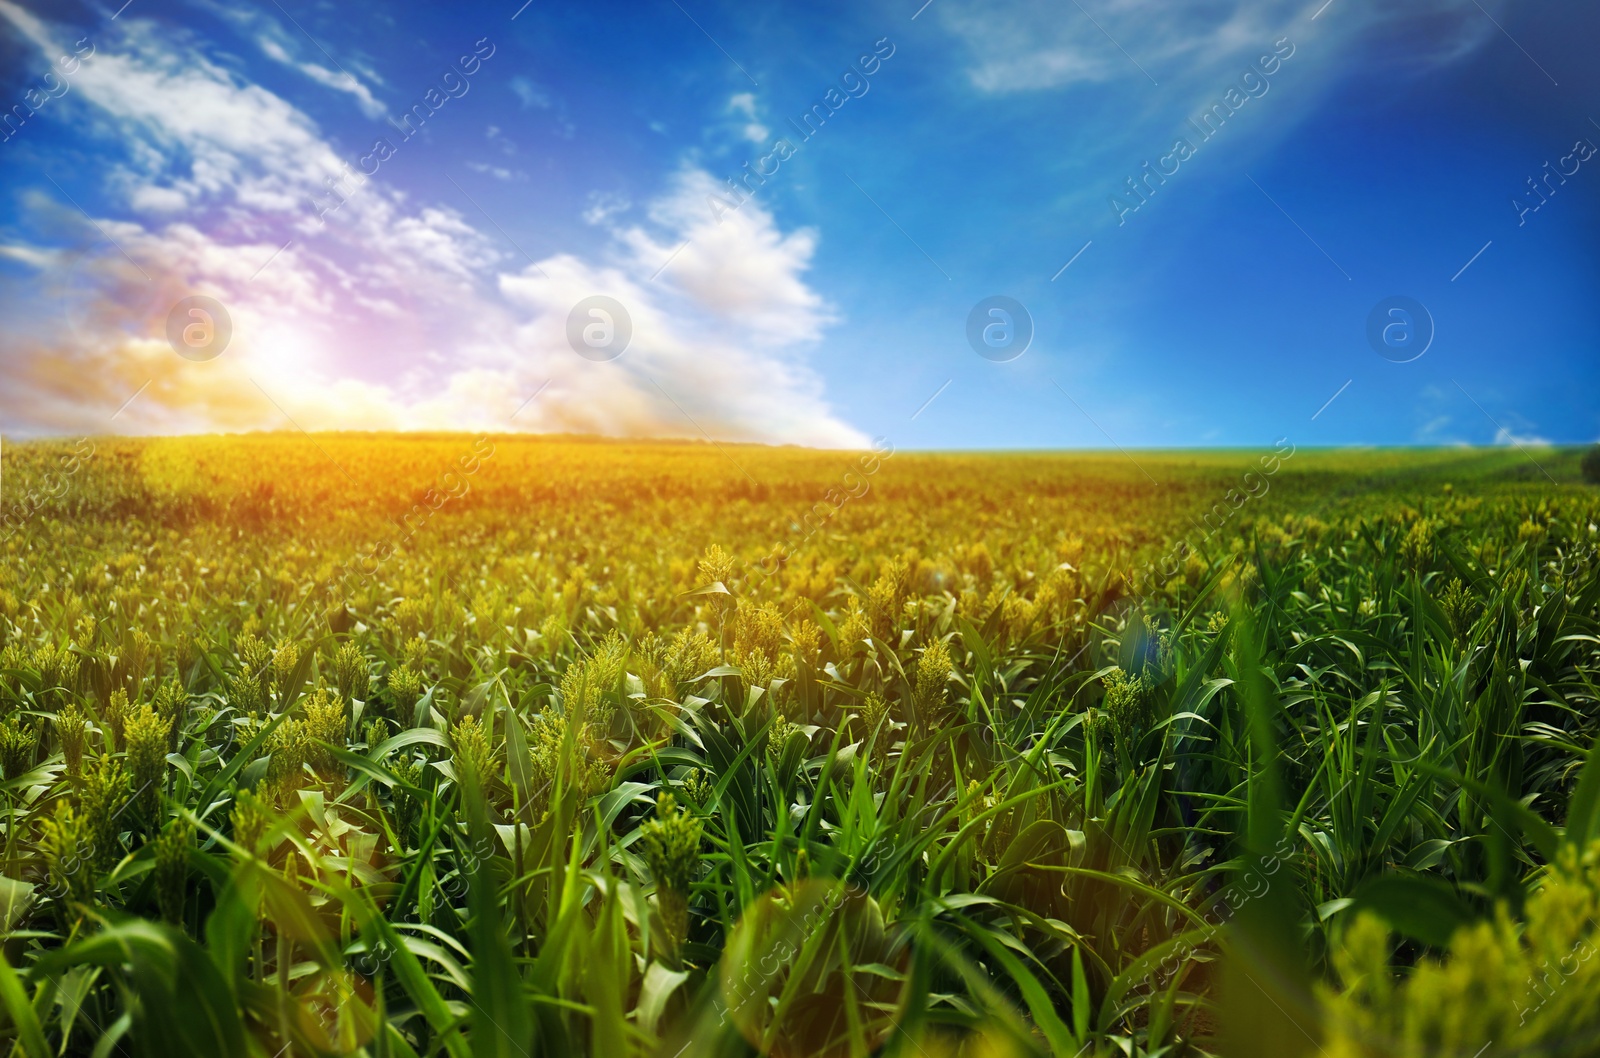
column 953, row 225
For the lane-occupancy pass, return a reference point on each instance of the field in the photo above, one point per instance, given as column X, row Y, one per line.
column 444, row 745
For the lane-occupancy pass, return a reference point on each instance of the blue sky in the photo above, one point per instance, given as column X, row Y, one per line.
column 583, row 151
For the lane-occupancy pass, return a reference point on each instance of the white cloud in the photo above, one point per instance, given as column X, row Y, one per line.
column 752, row 130
column 1018, row 45
column 1436, row 430
column 284, row 45
column 531, row 95
column 1504, row 436
column 345, row 82
column 741, row 268
column 499, row 172
column 495, row 136
column 389, row 312
column 603, row 205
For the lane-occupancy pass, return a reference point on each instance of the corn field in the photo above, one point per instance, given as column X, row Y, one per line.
column 441, row 745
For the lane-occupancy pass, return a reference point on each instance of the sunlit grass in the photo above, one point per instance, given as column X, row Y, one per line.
column 460, row 745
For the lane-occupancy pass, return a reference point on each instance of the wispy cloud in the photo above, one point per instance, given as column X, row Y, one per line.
column 338, row 80
column 1018, row 46
column 286, row 41
column 743, row 104
column 529, row 94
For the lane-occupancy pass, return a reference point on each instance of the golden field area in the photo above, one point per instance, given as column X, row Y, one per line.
column 504, row 745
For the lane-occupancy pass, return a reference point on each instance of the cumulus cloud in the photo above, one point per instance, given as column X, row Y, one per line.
column 356, row 306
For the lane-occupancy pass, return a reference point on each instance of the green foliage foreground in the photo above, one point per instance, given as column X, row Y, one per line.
column 543, row 782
